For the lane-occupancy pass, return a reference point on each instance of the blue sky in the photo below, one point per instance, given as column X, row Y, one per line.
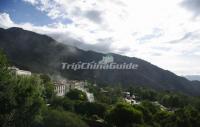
column 163, row 32
column 22, row 12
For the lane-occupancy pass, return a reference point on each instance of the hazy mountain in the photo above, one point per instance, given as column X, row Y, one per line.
column 42, row 54
column 193, row 77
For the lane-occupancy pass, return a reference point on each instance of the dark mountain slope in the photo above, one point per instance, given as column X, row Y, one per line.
column 40, row 53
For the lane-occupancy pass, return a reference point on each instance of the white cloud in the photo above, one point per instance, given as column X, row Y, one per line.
column 5, row 20
column 152, row 30
column 33, row 2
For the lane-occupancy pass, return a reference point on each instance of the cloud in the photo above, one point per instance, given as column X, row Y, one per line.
column 156, row 33
column 5, row 20
column 183, row 38
column 94, row 15
column 159, row 31
column 192, row 5
column 33, row 2
column 103, row 45
column 59, row 33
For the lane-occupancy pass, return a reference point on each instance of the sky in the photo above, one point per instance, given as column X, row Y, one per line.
column 165, row 33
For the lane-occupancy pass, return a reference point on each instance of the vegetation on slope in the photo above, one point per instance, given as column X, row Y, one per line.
column 31, row 102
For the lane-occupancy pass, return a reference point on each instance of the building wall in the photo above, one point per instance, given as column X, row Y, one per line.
column 62, row 87
column 19, row 72
column 60, row 90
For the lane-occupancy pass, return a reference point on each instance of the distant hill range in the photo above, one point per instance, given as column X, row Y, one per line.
column 42, row 54
column 193, row 77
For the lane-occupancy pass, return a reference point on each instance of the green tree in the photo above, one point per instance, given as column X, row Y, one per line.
column 76, row 95
column 165, row 119
column 20, row 97
column 49, row 87
column 7, row 95
column 187, row 117
column 147, row 114
column 90, row 109
column 28, row 101
column 173, row 101
column 151, row 107
column 124, row 115
column 56, row 118
column 145, row 94
column 67, row 104
column 56, row 102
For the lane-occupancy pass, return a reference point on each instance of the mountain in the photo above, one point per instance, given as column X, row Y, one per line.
column 42, row 54
column 193, row 77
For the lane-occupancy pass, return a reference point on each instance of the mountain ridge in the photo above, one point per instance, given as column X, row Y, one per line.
column 42, row 54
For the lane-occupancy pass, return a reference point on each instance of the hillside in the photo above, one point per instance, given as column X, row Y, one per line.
column 42, row 54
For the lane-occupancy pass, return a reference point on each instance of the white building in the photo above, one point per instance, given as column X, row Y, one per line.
column 61, row 87
column 130, row 99
column 23, row 72
column 80, row 85
column 64, row 86
column 20, row 72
